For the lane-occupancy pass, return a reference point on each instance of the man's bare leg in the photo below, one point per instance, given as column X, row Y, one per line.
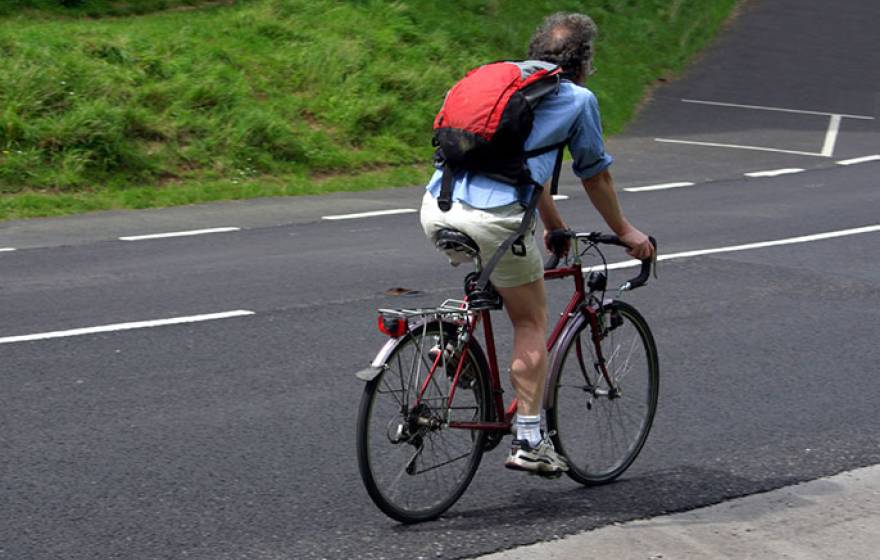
column 526, row 306
column 531, row 451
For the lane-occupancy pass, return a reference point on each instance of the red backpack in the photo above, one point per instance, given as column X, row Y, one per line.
column 485, row 121
column 483, row 126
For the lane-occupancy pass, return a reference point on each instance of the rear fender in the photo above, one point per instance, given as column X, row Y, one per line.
column 378, row 365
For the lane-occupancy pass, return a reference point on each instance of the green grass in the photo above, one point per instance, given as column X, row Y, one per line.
column 274, row 97
column 92, row 8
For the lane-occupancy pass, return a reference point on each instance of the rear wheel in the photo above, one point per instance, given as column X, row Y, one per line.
column 601, row 423
column 413, row 465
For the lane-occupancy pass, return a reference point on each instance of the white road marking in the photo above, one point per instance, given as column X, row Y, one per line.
column 6, row 249
column 560, row 197
column 659, row 187
column 831, row 136
column 859, row 160
column 774, row 172
column 827, row 147
column 744, row 247
column 178, row 234
column 737, row 146
column 126, row 326
column 778, row 109
column 370, row 214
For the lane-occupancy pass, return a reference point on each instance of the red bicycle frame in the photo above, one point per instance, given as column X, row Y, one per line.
column 576, row 302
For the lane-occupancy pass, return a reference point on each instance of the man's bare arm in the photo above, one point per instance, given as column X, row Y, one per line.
column 600, row 189
column 550, row 216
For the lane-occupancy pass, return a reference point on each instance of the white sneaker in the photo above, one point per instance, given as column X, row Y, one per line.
column 541, row 459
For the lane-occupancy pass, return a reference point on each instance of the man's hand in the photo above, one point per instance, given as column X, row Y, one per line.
column 549, row 246
column 639, row 245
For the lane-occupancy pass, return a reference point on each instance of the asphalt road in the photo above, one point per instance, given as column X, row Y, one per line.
column 234, row 438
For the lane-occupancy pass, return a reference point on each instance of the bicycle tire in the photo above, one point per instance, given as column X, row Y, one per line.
column 385, row 465
column 598, row 429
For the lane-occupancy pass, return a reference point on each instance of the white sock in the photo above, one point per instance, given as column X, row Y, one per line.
column 529, row 429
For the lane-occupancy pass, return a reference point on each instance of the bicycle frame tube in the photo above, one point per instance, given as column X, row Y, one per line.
column 576, row 300
column 494, row 372
column 574, row 303
column 472, row 326
column 494, row 379
column 430, row 376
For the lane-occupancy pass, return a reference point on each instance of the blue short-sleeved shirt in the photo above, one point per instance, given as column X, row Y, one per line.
column 572, row 112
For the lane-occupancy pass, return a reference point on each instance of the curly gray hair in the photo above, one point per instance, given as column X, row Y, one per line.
column 565, row 39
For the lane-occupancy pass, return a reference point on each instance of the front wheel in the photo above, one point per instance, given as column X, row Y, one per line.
column 602, row 421
column 414, row 466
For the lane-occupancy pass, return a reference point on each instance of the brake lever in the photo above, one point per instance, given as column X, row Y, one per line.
column 654, row 262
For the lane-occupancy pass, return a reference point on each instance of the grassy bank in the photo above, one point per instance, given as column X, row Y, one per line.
column 202, row 101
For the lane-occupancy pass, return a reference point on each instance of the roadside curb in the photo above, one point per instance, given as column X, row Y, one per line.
column 833, row 517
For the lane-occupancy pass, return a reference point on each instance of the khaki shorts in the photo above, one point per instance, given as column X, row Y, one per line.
column 489, row 228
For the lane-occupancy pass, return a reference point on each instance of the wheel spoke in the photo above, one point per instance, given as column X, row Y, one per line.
column 393, row 392
column 443, row 464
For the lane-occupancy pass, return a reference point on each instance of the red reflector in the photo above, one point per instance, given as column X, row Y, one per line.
column 392, row 326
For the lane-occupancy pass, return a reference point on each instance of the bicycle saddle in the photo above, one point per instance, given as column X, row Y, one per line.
column 457, row 246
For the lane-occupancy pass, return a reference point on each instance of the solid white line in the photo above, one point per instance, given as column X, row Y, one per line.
column 659, row 187
column 779, row 109
column 126, row 326
column 745, row 247
column 560, row 197
column 859, row 160
column 737, row 146
column 369, row 214
column 774, row 172
column 831, row 136
column 6, row 249
column 177, row 234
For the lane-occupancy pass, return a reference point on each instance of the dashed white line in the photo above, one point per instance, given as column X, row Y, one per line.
column 126, row 326
column 370, row 214
column 659, row 187
column 774, row 172
column 178, row 233
column 6, row 249
column 854, row 161
column 746, row 246
column 560, row 197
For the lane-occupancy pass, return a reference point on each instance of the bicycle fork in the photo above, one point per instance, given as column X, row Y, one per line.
column 599, row 364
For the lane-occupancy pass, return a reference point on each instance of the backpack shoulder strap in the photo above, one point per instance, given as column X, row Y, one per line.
column 444, row 199
column 516, row 237
column 557, row 167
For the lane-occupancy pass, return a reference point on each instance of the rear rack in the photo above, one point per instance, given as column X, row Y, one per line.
column 450, row 307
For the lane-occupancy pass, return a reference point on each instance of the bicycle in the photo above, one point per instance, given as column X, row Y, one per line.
column 432, row 404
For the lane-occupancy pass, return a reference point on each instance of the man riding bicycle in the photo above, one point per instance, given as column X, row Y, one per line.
column 489, row 211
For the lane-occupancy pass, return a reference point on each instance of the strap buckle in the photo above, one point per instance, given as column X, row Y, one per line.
column 519, row 247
